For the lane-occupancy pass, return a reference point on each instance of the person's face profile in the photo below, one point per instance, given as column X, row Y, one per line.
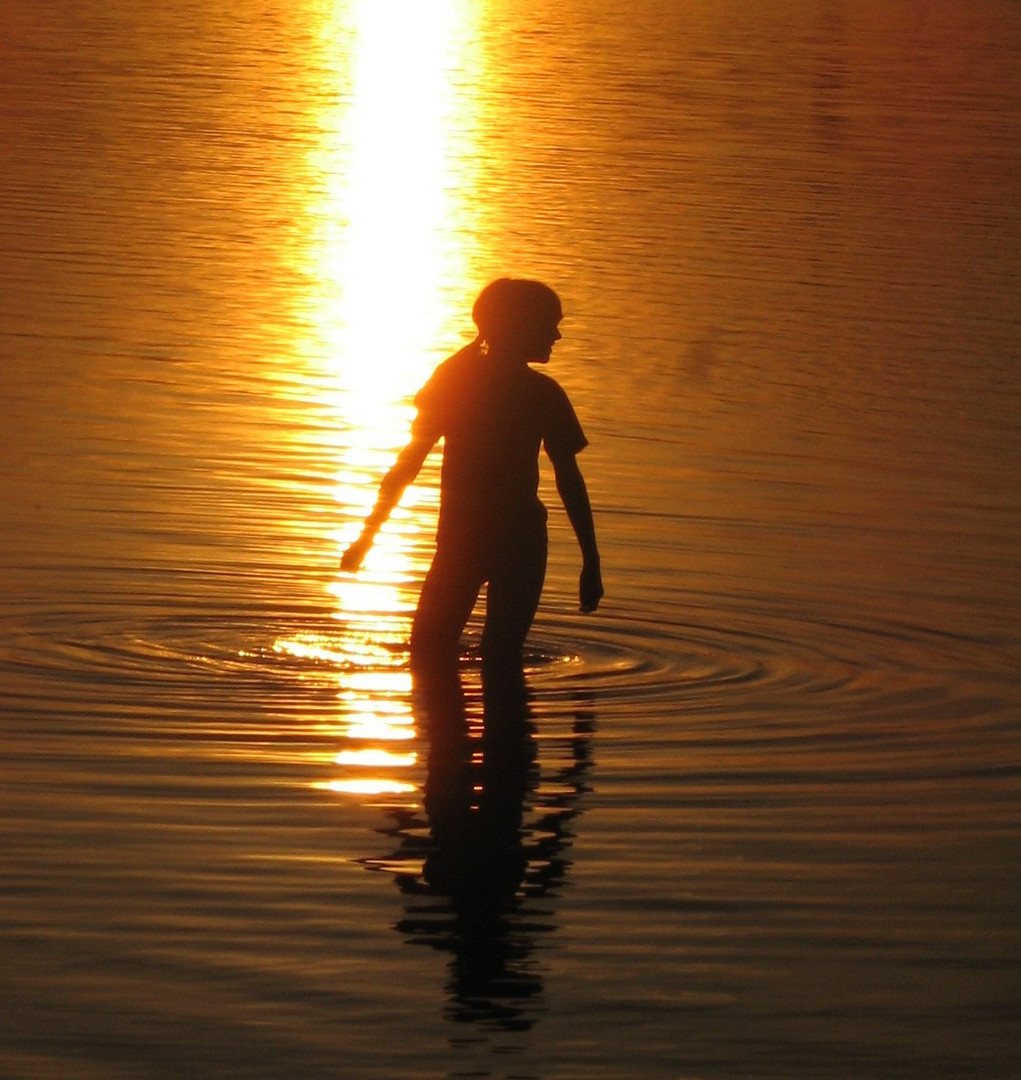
column 541, row 339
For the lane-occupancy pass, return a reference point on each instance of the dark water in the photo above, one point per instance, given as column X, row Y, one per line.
column 772, row 826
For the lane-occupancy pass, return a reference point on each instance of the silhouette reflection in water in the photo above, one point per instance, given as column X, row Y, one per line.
column 494, row 843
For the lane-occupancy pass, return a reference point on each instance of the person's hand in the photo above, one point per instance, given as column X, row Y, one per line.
column 352, row 559
column 590, row 587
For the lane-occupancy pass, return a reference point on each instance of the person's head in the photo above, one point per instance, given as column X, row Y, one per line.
column 519, row 317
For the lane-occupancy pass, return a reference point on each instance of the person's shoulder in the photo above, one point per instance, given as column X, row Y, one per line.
column 546, row 387
column 465, row 358
column 450, row 371
column 544, row 382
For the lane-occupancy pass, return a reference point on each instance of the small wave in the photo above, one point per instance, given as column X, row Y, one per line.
column 706, row 657
column 772, row 673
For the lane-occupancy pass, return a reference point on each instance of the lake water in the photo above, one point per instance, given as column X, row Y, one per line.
column 773, row 828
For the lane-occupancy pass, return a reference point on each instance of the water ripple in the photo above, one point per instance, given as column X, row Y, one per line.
column 700, row 660
column 738, row 655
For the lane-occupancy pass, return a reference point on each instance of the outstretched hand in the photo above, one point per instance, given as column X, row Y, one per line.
column 353, row 558
column 590, row 587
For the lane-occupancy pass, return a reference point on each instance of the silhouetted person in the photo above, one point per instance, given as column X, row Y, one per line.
column 494, row 413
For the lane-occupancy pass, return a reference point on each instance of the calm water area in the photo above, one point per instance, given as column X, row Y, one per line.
column 773, row 827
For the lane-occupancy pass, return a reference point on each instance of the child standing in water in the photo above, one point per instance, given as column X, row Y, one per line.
column 494, row 413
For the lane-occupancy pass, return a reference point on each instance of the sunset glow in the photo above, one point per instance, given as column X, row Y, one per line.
column 389, row 276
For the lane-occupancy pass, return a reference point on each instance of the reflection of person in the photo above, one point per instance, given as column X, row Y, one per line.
column 481, row 881
column 494, row 413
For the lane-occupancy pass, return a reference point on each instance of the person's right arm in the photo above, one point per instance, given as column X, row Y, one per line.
column 401, row 473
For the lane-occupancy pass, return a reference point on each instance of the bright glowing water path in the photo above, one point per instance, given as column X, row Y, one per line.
column 388, row 266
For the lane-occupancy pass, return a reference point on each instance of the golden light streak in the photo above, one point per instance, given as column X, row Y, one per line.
column 394, row 206
column 377, row 730
column 376, row 758
column 393, row 261
column 367, row 786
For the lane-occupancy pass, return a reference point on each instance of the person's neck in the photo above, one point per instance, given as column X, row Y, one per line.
column 509, row 357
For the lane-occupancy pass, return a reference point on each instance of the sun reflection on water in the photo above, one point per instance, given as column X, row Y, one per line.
column 389, row 271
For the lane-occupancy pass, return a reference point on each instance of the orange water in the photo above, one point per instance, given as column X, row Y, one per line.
column 773, row 831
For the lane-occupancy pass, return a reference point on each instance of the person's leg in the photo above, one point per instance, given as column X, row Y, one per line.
column 446, row 601
column 515, row 585
column 448, row 595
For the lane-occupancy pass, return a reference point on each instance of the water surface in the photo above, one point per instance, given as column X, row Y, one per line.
column 772, row 826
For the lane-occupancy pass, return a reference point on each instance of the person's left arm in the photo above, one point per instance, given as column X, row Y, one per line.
column 574, row 494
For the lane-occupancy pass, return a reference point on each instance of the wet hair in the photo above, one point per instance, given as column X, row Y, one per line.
column 507, row 306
